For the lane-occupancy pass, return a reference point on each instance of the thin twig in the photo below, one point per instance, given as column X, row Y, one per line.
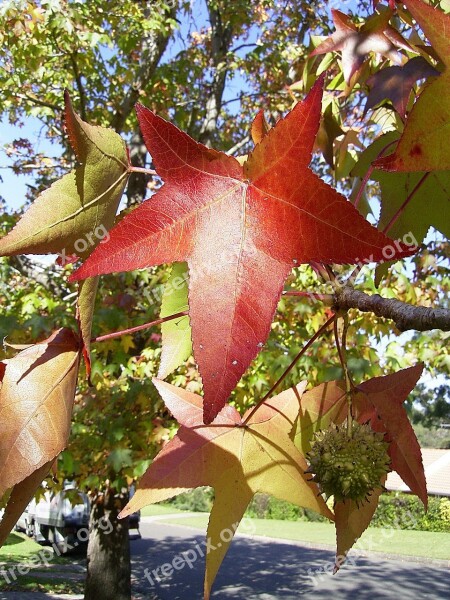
column 292, row 365
column 115, row 334
column 325, row 298
column 342, row 351
column 132, row 169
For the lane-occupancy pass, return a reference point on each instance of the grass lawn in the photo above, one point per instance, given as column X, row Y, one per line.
column 154, row 510
column 392, row 541
column 28, row 583
column 21, row 550
column 18, row 548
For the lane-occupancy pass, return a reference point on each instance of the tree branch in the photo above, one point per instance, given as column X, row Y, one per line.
column 153, row 47
column 405, row 316
column 80, row 86
column 45, row 276
column 137, row 182
column 38, row 102
column 238, row 146
column 221, row 36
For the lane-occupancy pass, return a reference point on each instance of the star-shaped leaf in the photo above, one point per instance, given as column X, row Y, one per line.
column 396, row 83
column 75, row 213
column 237, row 456
column 378, row 400
column 386, row 396
column 424, row 145
column 241, row 229
column 355, row 43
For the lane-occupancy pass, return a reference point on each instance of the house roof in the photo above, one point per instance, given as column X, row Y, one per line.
column 437, row 473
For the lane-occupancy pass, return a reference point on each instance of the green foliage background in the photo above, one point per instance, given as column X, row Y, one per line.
column 99, row 51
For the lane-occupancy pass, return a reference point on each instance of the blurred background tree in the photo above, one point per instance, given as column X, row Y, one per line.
column 208, row 66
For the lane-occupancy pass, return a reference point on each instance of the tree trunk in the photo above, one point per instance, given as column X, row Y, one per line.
column 153, row 46
column 221, row 36
column 108, row 554
column 137, row 183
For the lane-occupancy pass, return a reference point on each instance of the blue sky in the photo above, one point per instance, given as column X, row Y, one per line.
column 13, row 188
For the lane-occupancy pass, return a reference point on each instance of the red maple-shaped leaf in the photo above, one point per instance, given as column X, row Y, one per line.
column 355, row 43
column 385, row 396
column 241, row 229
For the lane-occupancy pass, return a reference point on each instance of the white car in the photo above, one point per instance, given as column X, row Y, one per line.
column 62, row 519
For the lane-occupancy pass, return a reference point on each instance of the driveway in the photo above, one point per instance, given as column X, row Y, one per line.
column 273, row 570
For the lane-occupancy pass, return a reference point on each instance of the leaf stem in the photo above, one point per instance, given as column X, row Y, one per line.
column 115, row 334
column 132, row 169
column 407, row 201
column 325, row 298
column 342, row 351
column 291, row 366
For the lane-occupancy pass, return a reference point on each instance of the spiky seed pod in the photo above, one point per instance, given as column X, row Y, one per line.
column 348, row 467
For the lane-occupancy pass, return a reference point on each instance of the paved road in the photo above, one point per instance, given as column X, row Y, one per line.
column 267, row 570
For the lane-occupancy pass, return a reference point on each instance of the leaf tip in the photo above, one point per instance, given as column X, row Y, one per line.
column 71, row 125
column 125, row 512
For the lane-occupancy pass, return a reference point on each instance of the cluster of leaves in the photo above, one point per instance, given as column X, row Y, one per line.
column 235, row 229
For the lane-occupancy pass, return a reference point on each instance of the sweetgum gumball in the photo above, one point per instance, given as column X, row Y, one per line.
column 348, row 466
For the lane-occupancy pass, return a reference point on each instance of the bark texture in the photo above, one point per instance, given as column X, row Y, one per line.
column 108, row 555
column 405, row 316
column 221, row 36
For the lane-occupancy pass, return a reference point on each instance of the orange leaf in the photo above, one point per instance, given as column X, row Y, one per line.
column 36, row 397
column 237, row 457
column 259, row 127
column 351, row 521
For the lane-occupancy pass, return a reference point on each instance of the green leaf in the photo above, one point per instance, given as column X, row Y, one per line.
column 75, row 213
column 87, row 291
column 426, row 208
column 120, row 458
column 176, row 334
